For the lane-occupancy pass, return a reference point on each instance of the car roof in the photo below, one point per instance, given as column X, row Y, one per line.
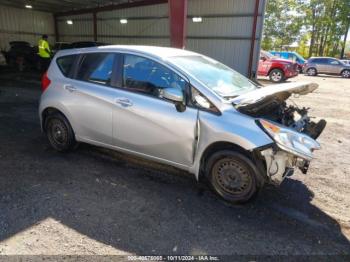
column 286, row 52
column 322, row 57
column 155, row 51
column 19, row 43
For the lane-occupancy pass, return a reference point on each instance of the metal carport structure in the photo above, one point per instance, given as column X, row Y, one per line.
column 229, row 30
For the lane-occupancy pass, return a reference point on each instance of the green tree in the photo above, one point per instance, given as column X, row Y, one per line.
column 283, row 22
column 318, row 24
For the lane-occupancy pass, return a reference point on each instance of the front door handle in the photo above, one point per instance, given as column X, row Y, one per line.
column 125, row 102
column 70, row 88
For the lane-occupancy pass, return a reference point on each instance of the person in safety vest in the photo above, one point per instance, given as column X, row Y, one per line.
column 44, row 53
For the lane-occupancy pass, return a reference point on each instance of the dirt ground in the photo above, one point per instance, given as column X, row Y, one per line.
column 95, row 201
column 329, row 176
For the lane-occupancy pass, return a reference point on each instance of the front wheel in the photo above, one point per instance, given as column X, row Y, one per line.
column 345, row 74
column 233, row 176
column 276, row 76
column 59, row 133
column 311, row 72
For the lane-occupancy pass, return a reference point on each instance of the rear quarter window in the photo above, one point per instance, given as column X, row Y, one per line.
column 65, row 64
column 96, row 68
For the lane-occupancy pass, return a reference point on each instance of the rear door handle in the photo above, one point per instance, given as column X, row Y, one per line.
column 70, row 88
column 125, row 102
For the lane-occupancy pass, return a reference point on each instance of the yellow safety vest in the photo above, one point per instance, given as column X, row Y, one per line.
column 43, row 45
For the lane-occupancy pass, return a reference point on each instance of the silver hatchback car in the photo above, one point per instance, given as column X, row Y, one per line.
column 182, row 109
column 326, row 65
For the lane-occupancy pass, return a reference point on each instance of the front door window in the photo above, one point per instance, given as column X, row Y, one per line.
column 148, row 77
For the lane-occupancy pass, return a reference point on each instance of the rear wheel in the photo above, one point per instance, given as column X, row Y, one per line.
column 311, row 72
column 276, row 75
column 59, row 132
column 345, row 73
column 232, row 176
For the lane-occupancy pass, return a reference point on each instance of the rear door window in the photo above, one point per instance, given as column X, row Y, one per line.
column 96, row 68
column 66, row 63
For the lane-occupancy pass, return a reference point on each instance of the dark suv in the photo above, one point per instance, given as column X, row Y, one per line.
column 84, row 44
column 326, row 65
column 22, row 55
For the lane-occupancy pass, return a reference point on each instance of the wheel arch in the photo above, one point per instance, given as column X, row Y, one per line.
column 345, row 69
column 219, row 146
column 215, row 147
column 49, row 111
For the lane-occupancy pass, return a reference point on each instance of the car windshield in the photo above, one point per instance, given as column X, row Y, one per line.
column 342, row 62
column 223, row 80
column 300, row 57
column 266, row 54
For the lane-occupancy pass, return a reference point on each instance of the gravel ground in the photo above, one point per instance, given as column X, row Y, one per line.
column 95, row 201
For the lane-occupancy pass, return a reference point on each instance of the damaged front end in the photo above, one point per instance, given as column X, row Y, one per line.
column 288, row 126
column 291, row 149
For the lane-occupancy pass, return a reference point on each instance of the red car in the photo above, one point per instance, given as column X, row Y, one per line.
column 277, row 69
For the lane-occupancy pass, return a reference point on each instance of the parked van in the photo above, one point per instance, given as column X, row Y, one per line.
column 295, row 57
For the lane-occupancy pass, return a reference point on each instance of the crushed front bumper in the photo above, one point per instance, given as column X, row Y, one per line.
column 281, row 164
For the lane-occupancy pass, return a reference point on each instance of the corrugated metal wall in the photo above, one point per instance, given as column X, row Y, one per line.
column 226, row 30
column 224, row 34
column 148, row 25
column 80, row 30
column 24, row 25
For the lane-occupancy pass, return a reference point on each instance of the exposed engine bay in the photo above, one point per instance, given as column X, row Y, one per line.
column 276, row 109
column 270, row 104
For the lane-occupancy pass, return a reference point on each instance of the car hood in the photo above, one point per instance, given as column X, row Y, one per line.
column 285, row 90
column 281, row 60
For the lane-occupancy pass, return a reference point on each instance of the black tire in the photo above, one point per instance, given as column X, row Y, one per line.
column 232, row 176
column 300, row 69
column 59, row 133
column 277, row 76
column 345, row 73
column 311, row 71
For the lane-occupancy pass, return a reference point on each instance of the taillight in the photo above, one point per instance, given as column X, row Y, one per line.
column 45, row 82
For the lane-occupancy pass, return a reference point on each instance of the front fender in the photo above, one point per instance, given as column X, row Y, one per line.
column 230, row 127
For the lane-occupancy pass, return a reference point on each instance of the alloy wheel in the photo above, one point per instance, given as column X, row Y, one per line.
column 311, row 72
column 276, row 76
column 346, row 74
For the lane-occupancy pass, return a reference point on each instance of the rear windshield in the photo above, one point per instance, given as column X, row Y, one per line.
column 65, row 63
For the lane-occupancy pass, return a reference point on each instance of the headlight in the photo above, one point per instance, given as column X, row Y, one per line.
column 291, row 141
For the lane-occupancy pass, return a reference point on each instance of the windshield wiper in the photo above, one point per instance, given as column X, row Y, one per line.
column 230, row 97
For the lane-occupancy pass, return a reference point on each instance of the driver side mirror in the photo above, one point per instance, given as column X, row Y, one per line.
column 173, row 94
